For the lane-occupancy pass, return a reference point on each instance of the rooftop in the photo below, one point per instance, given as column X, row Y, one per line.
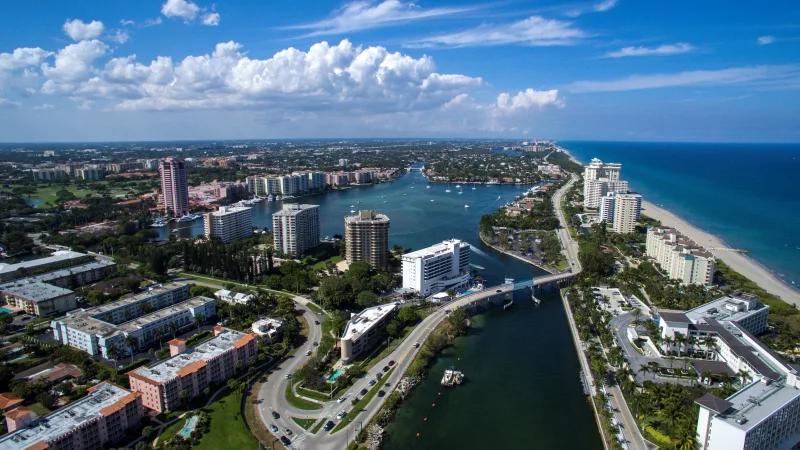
column 228, row 210
column 756, row 402
column 366, row 216
column 35, row 291
column 7, row 400
column 674, row 316
column 125, row 301
column 436, row 249
column 68, row 418
column 61, row 273
column 56, row 257
column 364, row 320
column 293, row 209
column 731, row 334
column 735, row 307
column 191, row 359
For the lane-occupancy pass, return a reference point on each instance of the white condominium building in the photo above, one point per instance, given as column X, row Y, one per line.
column 599, row 179
column 436, row 268
column 296, row 228
column 365, row 329
column 229, row 223
column 627, row 208
column 298, row 183
column 606, row 213
column 680, row 257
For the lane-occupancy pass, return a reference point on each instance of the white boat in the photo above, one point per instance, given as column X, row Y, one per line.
column 405, row 194
column 352, row 206
column 352, row 211
column 386, row 201
column 473, row 186
column 458, row 186
column 447, row 190
column 452, row 377
column 466, row 206
column 257, row 199
column 460, row 192
column 270, row 198
column 428, row 186
column 175, row 230
column 189, row 217
column 432, row 200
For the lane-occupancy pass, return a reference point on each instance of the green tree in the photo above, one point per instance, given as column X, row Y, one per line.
column 394, row 328
column 407, row 315
column 365, row 299
column 458, row 319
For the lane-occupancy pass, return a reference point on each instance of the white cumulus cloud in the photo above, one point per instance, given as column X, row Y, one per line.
column 120, row 36
column 183, row 9
column 211, row 19
column 75, row 61
column 533, row 31
column 78, row 30
column 8, row 104
column 666, row 49
column 23, row 57
column 529, row 99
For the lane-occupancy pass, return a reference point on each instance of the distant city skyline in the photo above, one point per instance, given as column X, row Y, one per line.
column 171, row 70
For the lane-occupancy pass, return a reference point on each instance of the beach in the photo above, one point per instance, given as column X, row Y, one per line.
column 739, row 262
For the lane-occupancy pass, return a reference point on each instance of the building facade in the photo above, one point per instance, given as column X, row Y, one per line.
column 680, row 257
column 174, row 187
column 229, row 223
column 38, row 298
column 367, row 238
column 147, row 317
column 599, row 179
column 437, row 268
column 606, row 213
column 50, row 174
column 627, row 209
column 102, row 417
column 212, row 362
column 365, row 329
column 295, row 228
column 59, row 259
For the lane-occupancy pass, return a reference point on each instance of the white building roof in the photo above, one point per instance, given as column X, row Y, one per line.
column 364, row 320
column 35, row 291
column 434, row 250
column 228, row 210
column 74, row 270
column 56, row 257
column 729, row 308
column 266, row 326
column 757, row 402
column 66, row 419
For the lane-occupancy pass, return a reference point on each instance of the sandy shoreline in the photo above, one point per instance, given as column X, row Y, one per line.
column 737, row 261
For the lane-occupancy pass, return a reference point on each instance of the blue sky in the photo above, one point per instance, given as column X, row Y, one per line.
column 604, row 69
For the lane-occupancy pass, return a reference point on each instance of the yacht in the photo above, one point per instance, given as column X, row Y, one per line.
column 428, row 186
column 452, row 377
column 352, row 211
column 405, row 194
column 352, row 206
column 448, row 189
column 432, row 200
column 458, row 186
column 270, row 198
column 473, row 186
column 460, row 192
column 257, row 199
column 189, row 217
column 386, row 201
column 466, row 206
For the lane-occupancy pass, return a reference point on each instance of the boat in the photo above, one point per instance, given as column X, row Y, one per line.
column 428, row 186
column 405, row 194
column 352, row 211
column 452, row 377
column 175, row 230
column 383, row 196
column 458, row 186
column 189, row 217
column 270, row 198
column 466, row 206
column 473, row 186
column 460, row 192
column 257, row 199
column 352, row 206
column 448, row 189
column 432, row 200
column 386, row 201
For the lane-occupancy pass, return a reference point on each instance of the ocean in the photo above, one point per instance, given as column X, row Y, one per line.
column 742, row 193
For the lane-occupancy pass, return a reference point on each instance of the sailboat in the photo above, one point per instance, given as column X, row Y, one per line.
column 473, row 186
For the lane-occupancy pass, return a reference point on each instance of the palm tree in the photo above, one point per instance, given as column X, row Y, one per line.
column 637, row 315
column 707, row 375
column 654, row 367
column 159, row 335
column 132, row 342
column 199, row 318
column 708, row 342
column 174, row 328
column 113, row 353
column 687, row 438
column 645, row 370
column 668, row 340
column 680, row 339
column 691, row 341
column 744, row 375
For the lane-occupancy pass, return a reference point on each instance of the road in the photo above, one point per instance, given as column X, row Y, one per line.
column 570, row 245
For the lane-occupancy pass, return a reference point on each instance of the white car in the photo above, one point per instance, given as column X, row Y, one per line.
column 341, row 415
column 341, row 399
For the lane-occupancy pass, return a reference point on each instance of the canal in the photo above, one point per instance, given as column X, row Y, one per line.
column 522, row 388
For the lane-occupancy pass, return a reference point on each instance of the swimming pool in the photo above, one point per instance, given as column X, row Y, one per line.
column 6, row 311
column 335, row 375
column 189, row 427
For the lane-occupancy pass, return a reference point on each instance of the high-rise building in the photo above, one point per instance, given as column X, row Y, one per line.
column 174, row 186
column 607, row 208
column 91, row 172
column 436, row 268
column 296, row 228
column 48, row 174
column 627, row 208
column 343, row 162
column 229, row 223
column 680, row 257
column 599, row 179
column 367, row 238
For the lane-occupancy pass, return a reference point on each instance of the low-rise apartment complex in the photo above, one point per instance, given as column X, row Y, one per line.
column 100, row 418
column 229, row 223
column 437, row 268
column 37, row 298
column 365, row 329
column 147, row 317
column 59, row 259
column 680, row 257
column 210, row 363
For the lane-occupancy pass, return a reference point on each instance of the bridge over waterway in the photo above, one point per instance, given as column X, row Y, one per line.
column 497, row 295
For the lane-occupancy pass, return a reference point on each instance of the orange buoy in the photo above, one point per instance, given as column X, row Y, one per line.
column 433, row 404
column 425, row 419
column 417, row 434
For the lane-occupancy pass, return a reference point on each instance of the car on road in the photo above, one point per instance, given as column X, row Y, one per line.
column 273, row 428
column 447, row 311
column 288, row 375
column 381, row 393
column 385, row 368
column 328, row 425
column 316, row 343
column 391, row 363
column 285, row 441
column 378, row 375
column 316, row 322
column 275, row 415
column 372, row 382
column 364, row 391
column 341, row 415
column 287, row 431
column 308, row 353
column 416, row 344
column 341, row 399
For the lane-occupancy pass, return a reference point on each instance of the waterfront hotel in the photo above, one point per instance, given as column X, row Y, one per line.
column 437, row 268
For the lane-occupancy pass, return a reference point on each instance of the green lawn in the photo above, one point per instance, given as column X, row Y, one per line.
column 362, row 403
column 321, row 265
column 171, row 430
column 314, row 308
column 319, row 425
column 298, row 402
column 227, row 425
column 39, row 409
column 304, row 423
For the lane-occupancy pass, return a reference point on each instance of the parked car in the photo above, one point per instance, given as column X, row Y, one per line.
column 308, row 353
column 316, row 322
column 287, row 431
column 328, row 425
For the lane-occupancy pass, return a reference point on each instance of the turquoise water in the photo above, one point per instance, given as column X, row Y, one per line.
column 188, row 427
column 744, row 193
column 6, row 311
column 335, row 375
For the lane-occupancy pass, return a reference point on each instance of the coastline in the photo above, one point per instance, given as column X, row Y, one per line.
column 743, row 264
column 505, row 252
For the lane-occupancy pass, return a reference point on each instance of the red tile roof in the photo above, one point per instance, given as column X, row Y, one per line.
column 9, row 400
